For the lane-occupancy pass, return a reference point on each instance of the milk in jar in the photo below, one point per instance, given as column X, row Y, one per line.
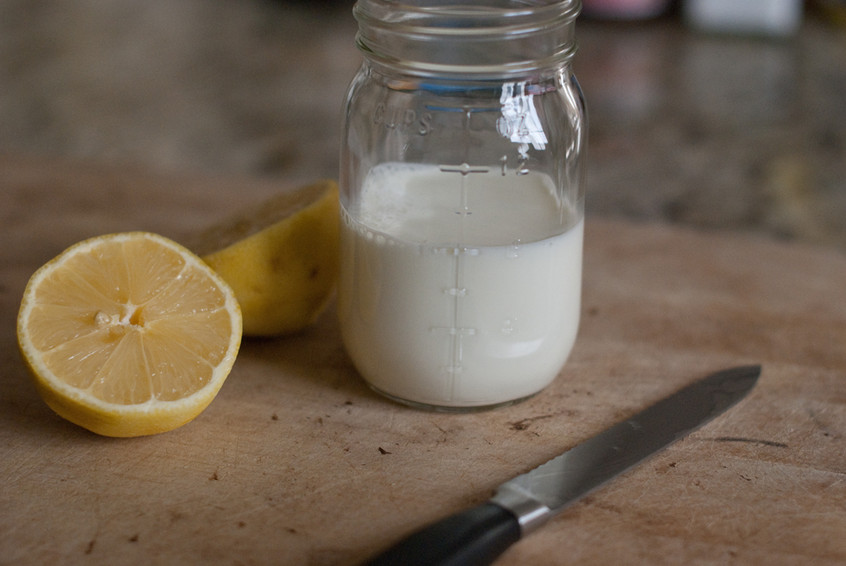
column 455, row 291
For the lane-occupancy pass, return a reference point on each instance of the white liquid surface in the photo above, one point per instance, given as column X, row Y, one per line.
column 452, row 291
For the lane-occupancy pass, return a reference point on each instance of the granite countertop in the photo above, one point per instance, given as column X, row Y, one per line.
column 718, row 132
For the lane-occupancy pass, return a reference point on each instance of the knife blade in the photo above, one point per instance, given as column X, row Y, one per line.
column 478, row 536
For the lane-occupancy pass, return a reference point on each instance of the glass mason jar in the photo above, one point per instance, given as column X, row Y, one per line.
column 462, row 200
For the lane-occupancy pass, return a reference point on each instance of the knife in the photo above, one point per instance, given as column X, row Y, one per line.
column 520, row 506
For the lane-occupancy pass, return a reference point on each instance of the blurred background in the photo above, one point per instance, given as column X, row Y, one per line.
column 718, row 114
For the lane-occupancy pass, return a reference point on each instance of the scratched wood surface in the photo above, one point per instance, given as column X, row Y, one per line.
column 297, row 462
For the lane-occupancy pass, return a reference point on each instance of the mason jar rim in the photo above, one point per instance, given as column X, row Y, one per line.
column 423, row 16
column 493, row 38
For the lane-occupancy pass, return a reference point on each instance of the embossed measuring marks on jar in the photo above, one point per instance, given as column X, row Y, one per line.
column 406, row 120
column 479, row 243
column 455, row 330
column 464, row 169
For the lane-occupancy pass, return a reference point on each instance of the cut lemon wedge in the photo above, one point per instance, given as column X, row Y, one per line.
column 128, row 334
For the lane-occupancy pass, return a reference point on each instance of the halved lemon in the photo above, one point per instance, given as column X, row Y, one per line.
column 281, row 258
column 128, row 334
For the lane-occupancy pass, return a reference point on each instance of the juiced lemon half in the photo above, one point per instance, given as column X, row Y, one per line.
column 128, row 334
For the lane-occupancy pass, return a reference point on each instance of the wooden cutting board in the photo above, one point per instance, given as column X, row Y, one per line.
column 297, row 462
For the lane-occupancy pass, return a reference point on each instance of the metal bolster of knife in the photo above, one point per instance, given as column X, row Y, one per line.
column 530, row 513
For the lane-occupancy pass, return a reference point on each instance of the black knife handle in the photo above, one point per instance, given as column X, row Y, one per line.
column 475, row 537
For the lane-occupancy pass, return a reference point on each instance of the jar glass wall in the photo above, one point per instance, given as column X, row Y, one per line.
column 462, row 200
